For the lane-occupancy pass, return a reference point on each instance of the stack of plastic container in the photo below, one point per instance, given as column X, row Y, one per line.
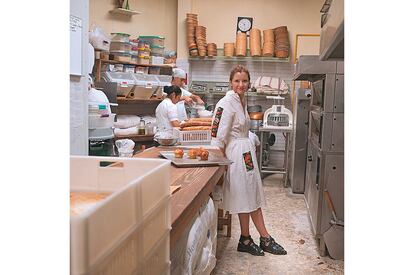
column 120, row 47
column 127, row 232
column 157, row 48
column 125, row 81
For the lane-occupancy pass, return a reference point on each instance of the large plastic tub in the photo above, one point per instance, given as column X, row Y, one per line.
column 153, row 40
column 119, row 234
column 125, row 81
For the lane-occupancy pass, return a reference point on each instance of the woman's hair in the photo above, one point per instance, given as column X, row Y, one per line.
column 172, row 89
column 239, row 69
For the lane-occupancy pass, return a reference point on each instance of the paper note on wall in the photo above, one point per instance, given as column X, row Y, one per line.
column 75, row 45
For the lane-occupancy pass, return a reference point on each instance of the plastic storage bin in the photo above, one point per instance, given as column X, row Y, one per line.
column 153, row 40
column 125, row 81
column 122, row 56
column 144, row 60
column 157, row 60
column 120, row 37
column 145, row 86
column 164, row 80
column 128, row 229
column 120, row 46
column 157, row 50
column 97, row 121
column 194, row 137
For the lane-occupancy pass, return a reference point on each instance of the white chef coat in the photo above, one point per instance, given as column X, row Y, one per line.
column 242, row 189
column 182, row 114
column 166, row 111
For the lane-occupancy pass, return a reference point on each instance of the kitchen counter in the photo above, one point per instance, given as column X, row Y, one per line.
column 196, row 185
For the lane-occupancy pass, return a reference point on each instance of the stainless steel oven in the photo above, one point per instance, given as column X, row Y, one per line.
column 326, row 130
column 328, row 93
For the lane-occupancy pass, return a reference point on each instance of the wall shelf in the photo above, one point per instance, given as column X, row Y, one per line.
column 124, row 11
column 220, row 56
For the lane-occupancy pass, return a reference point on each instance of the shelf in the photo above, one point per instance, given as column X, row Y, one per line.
column 137, row 138
column 220, row 56
column 124, row 11
column 124, row 100
column 133, row 63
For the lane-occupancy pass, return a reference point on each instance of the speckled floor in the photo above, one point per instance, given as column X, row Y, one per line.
column 286, row 218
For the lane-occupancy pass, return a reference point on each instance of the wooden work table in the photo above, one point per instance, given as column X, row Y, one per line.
column 196, row 185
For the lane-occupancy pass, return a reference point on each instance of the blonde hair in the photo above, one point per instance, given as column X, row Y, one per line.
column 239, row 69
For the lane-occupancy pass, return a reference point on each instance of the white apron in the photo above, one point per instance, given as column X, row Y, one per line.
column 242, row 189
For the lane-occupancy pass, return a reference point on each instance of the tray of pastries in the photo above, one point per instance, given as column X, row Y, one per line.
column 195, row 157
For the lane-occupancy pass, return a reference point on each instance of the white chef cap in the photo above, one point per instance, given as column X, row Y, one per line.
column 180, row 73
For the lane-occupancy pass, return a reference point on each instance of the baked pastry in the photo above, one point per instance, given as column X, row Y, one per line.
column 199, row 150
column 204, row 155
column 192, row 153
column 178, row 153
column 196, row 128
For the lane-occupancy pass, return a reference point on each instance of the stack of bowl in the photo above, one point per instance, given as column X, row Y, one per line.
column 200, row 34
column 268, row 42
column 241, row 44
column 255, row 42
column 192, row 22
column 282, row 42
column 228, row 49
column 211, row 49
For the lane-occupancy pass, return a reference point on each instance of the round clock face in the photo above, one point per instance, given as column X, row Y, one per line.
column 244, row 25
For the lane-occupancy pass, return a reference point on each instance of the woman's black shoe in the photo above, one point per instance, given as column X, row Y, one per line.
column 271, row 246
column 250, row 247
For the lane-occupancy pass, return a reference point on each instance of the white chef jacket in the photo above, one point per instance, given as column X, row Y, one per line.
column 166, row 111
column 242, row 189
column 182, row 114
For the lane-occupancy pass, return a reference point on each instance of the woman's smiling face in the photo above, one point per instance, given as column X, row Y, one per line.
column 240, row 83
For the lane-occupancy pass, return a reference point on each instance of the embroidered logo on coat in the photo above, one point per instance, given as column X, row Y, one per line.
column 248, row 161
column 216, row 122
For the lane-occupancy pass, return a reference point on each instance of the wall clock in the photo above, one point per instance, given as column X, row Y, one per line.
column 244, row 24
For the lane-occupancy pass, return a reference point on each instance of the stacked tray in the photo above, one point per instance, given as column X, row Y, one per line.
column 282, row 46
column 191, row 22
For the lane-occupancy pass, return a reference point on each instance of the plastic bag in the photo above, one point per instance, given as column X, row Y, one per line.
column 99, row 39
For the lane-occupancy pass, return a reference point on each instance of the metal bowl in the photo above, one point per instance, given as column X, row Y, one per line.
column 167, row 141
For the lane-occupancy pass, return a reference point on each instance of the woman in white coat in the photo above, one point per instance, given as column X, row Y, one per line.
column 242, row 190
column 166, row 112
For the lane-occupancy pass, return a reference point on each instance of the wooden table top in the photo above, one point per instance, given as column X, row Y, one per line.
column 196, row 185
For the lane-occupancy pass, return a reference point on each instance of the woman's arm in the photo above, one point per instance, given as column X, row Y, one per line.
column 175, row 123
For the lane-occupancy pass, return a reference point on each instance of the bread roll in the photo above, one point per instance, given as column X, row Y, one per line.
column 196, row 128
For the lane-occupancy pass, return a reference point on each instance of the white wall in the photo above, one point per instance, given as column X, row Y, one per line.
column 159, row 17
column 79, row 87
column 220, row 18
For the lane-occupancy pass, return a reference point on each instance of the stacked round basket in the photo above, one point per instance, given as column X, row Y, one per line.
column 281, row 42
column 192, row 22
column 241, row 44
column 211, row 49
column 200, row 34
column 255, row 42
column 268, row 43
column 228, row 49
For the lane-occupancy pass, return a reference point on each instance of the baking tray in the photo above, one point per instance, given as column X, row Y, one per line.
column 214, row 159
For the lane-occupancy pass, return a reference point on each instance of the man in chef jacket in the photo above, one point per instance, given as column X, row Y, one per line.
column 178, row 79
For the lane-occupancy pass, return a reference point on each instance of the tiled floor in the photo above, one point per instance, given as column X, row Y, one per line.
column 286, row 218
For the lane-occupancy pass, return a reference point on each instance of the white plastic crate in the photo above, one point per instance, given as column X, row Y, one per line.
column 194, row 137
column 115, row 235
